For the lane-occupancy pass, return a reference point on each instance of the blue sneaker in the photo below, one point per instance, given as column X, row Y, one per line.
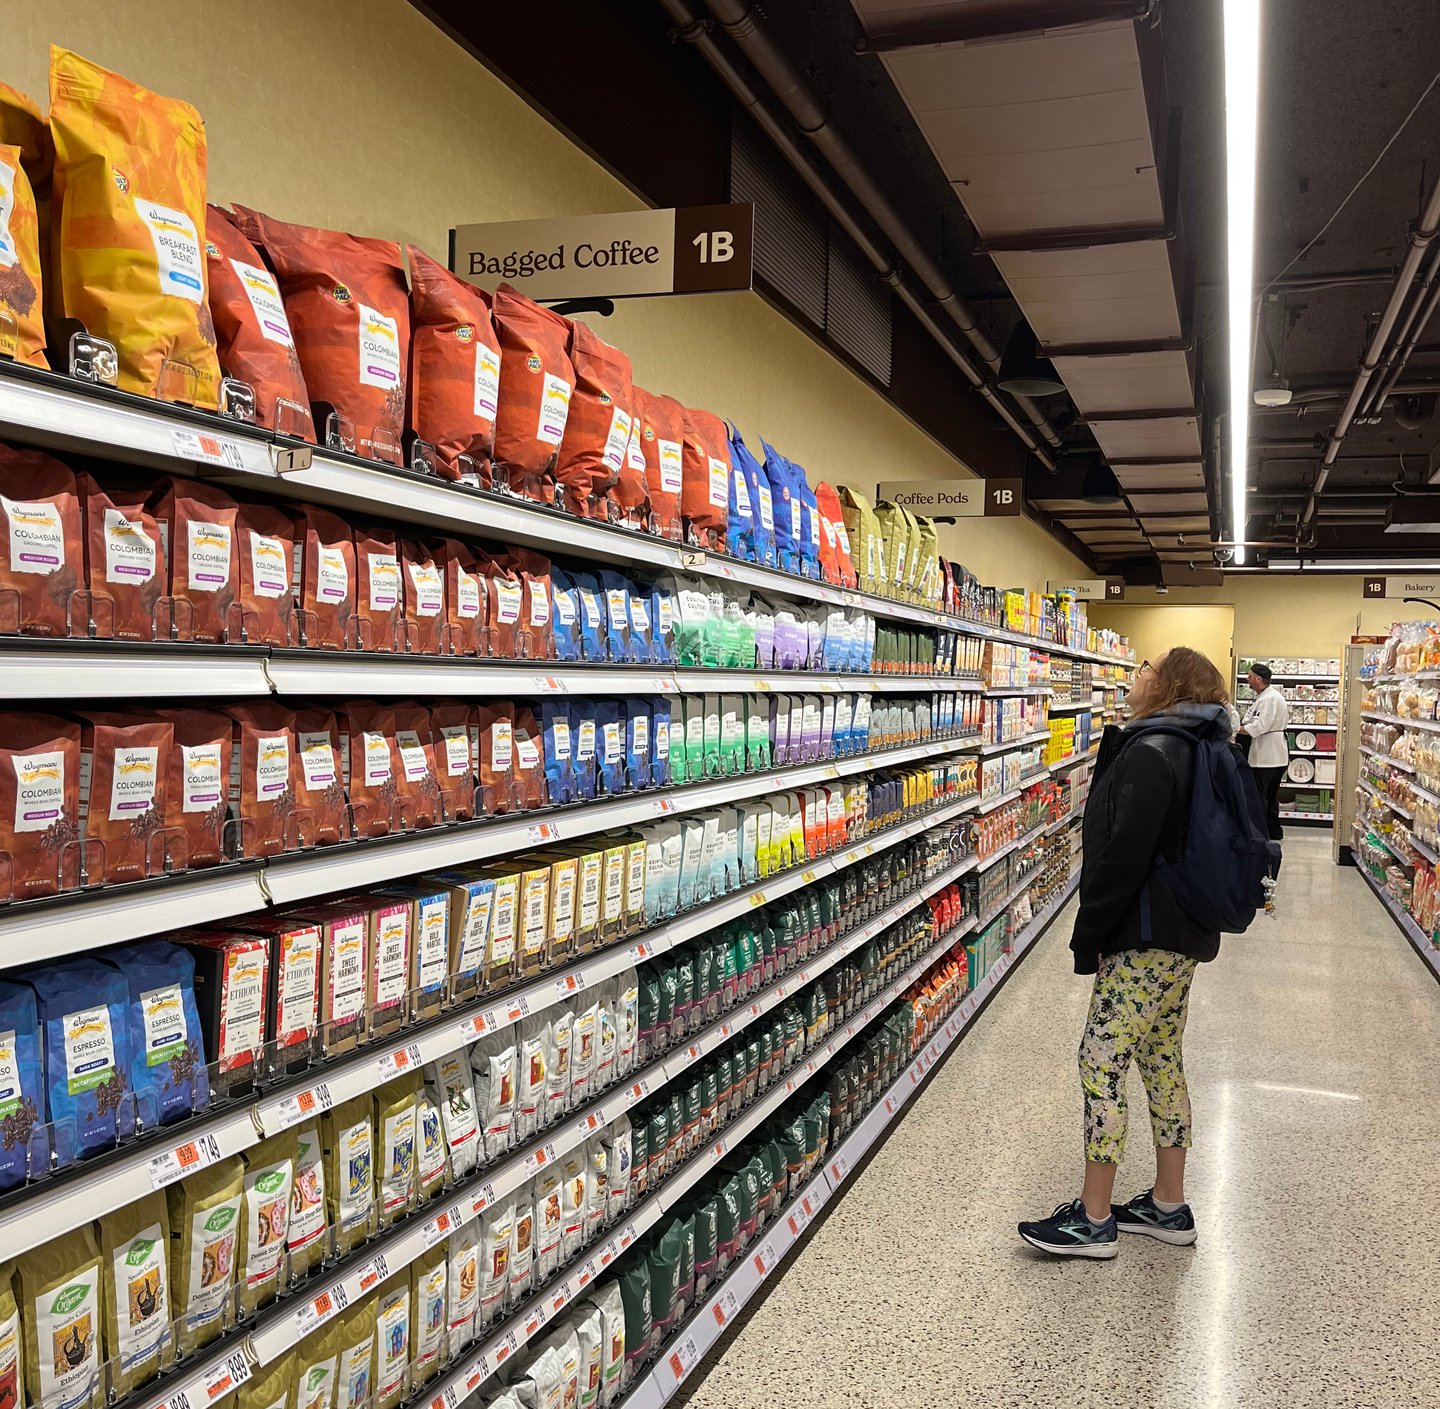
column 1141, row 1216
column 1068, row 1232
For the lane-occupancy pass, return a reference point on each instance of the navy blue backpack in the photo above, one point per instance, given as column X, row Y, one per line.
column 1227, row 855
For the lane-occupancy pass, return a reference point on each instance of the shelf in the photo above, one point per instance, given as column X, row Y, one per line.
column 1432, row 725
column 1425, row 850
column 1375, row 793
column 1385, row 758
column 1393, row 850
column 1424, row 792
column 1312, row 753
column 51, row 1206
column 1307, row 816
column 1034, row 834
column 1070, row 762
column 1292, row 679
column 1040, row 737
column 1071, row 706
column 42, row 408
column 710, row 1318
column 1008, row 692
column 70, row 923
column 1419, row 941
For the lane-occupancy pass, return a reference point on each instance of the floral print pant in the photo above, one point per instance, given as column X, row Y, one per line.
column 1137, row 1009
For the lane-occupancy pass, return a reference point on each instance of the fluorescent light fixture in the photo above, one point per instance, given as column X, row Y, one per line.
column 1395, row 567
column 1242, row 107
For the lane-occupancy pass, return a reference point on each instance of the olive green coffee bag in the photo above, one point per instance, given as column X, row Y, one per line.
column 397, row 1151
column 393, row 1338
column 314, row 1384
column 265, row 1221
column 427, row 1314
column 135, row 1271
column 355, row 1361
column 271, row 1385
column 59, row 1288
column 348, row 1133
column 12, row 1362
column 306, row 1235
column 204, row 1230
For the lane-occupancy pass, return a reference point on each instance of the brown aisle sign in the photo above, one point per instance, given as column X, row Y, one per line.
column 955, row 498
column 1093, row 589
column 1395, row 588
column 632, row 254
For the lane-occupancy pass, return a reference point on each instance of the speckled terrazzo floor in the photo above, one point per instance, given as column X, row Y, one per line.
column 1312, row 1051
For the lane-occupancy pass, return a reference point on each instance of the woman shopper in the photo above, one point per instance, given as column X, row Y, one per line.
column 1138, row 808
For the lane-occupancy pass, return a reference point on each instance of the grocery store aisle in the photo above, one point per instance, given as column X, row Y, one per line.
column 1311, row 1046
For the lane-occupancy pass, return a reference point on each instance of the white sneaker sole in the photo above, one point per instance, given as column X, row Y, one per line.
column 1100, row 1250
column 1176, row 1238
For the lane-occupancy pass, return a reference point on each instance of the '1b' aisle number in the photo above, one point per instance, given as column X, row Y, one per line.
column 715, row 246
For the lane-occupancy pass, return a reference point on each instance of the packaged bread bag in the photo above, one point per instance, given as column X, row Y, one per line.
column 42, row 543
column 58, row 1286
column 537, row 381
column 197, row 525
column 204, row 1232
column 454, row 384
column 39, row 805
column 253, row 335
column 129, row 209
column 349, row 314
column 265, row 1219
column 134, row 1260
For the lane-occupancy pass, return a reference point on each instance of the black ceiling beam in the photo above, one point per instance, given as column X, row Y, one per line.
column 994, row 19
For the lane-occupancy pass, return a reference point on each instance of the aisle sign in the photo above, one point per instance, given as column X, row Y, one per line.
column 955, row 498
column 1393, row 588
column 1092, row 589
column 696, row 249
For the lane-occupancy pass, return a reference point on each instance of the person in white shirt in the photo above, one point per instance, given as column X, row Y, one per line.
column 1265, row 722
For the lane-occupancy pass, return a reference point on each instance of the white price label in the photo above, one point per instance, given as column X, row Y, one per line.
column 321, row 1308
column 568, row 984
column 590, row 1122
column 401, row 1060
column 442, row 1225
column 166, row 1168
column 725, row 1308
column 628, row 1236
column 764, row 1259
column 209, row 448
column 684, row 1358
column 178, row 1400
column 550, row 684
column 798, row 1221
column 476, row 1025
column 539, row 1157
column 545, row 831
column 640, row 1090
column 502, row 1350
column 483, row 1197
column 839, row 1168
column 586, row 1275
column 291, row 1110
column 448, row 1398
column 229, row 1374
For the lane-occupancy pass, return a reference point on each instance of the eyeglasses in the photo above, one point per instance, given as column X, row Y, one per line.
column 1144, row 666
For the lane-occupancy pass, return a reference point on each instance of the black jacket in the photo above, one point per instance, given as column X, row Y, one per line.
column 1139, row 805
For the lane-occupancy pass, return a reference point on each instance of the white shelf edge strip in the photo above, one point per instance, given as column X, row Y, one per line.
column 58, row 412
column 708, row 1321
column 71, row 924
column 72, row 1202
column 1406, row 923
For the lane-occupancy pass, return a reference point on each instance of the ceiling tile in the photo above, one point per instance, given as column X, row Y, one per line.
column 1175, row 475
column 1148, row 438
column 1149, row 504
column 1133, row 382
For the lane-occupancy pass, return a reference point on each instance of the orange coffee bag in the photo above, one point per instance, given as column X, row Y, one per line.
column 597, row 431
column 454, row 386
column 129, row 206
column 22, row 315
column 536, row 383
column 253, row 334
column 42, row 546
column 349, row 313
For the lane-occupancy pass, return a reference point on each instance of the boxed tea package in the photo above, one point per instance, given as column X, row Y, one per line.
column 168, row 1074
column 253, row 337
column 265, row 1219
column 58, row 1286
column 387, row 989
column 429, row 947
column 128, row 209
column 204, row 1212
column 81, row 1006
column 344, row 974
column 349, row 315
column 134, row 1261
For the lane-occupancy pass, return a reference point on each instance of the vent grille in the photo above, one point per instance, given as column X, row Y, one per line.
column 857, row 308
column 789, row 224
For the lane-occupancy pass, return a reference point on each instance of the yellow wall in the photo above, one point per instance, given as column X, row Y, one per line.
column 1278, row 614
column 363, row 116
column 1153, row 630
